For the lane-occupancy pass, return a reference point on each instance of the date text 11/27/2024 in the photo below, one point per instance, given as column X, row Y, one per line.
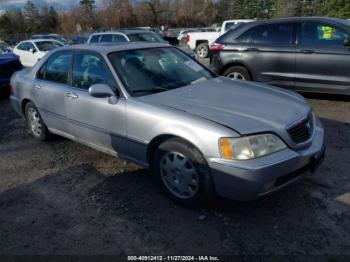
column 173, row 258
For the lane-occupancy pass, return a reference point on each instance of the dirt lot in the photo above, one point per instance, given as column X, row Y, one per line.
column 64, row 198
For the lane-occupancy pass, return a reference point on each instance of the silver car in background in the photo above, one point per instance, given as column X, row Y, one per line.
column 152, row 104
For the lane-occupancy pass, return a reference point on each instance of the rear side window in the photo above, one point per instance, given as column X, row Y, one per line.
column 106, row 38
column 90, row 69
column 119, row 38
column 145, row 37
column 56, row 68
column 94, row 39
column 47, row 45
column 272, row 34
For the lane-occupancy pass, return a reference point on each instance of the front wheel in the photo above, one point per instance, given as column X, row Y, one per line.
column 35, row 123
column 237, row 73
column 202, row 50
column 183, row 174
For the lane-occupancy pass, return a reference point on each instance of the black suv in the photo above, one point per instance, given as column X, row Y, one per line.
column 309, row 54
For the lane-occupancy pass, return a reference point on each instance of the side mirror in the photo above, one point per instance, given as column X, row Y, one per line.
column 32, row 50
column 103, row 91
column 347, row 42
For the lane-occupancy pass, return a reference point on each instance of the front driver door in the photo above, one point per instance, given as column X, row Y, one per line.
column 92, row 120
column 322, row 61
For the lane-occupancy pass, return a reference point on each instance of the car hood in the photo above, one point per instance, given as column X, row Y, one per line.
column 7, row 58
column 245, row 107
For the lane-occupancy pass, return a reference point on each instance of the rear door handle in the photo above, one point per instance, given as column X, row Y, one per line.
column 307, row 51
column 71, row 95
column 37, row 86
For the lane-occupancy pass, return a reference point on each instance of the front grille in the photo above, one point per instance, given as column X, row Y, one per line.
column 302, row 130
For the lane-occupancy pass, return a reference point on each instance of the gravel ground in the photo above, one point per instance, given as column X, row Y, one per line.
column 65, row 198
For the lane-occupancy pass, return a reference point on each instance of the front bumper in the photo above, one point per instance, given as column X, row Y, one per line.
column 251, row 179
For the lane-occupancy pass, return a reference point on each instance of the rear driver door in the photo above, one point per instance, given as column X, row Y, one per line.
column 270, row 53
column 49, row 90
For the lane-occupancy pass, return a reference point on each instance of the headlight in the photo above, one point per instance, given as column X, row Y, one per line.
column 249, row 147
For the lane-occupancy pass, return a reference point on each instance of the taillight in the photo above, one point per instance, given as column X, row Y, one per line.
column 188, row 38
column 12, row 90
column 216, row 47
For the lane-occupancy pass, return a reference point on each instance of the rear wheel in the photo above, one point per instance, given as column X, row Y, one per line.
column 182, row 172
column 237, row 73
column 35, row 123
column 202, row 50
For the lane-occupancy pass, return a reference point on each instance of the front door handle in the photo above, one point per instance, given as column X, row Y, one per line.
column 71, row 95
column 37, row 86
column 251, row 49
column 307, row 51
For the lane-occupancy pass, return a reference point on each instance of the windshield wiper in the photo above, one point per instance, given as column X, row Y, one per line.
column 152, row 90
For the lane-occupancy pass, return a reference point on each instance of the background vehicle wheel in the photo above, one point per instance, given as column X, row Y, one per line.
column 183, row 174
column 35, row 123
column 238, row 73
column 202, row 50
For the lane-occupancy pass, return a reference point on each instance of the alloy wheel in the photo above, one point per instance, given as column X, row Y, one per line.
column 236, row 75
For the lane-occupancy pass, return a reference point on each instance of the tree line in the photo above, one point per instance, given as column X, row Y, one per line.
column 87, row 17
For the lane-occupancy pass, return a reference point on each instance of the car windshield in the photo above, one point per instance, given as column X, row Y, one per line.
column 47, row 45
column 153, row 70
column 145, row 37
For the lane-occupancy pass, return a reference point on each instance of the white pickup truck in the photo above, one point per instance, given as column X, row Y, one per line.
column 200, row 41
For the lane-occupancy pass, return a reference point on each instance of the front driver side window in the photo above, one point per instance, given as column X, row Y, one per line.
column 56, row 68
column 90, row 69
column 319, row 34
column 22, row 47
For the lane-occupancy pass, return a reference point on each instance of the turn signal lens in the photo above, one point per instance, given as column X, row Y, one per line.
column 226, row 148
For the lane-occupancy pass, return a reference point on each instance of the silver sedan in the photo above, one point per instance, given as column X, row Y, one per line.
column 152, row 104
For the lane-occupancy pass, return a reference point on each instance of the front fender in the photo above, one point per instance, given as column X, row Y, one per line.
column 146, row 122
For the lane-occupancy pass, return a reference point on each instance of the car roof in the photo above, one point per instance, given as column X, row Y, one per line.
column 124, row 31
column 39, row 40
column 106, row 48
column 297, row 19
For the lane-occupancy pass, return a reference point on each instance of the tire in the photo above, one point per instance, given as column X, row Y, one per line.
column 202, row 50
column 237, row 73
column 35, row 124
column 183, row 174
